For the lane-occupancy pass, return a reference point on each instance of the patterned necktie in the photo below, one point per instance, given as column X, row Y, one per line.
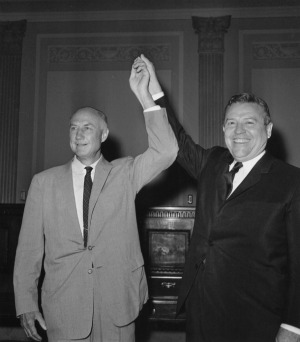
column 229, row 176
column 88, row 183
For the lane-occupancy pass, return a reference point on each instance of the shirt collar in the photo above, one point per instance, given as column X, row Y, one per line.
column 78, row 167
column 249, row 164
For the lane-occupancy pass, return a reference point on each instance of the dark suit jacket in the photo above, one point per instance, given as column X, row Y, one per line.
column 50, row 225
column 250, row 244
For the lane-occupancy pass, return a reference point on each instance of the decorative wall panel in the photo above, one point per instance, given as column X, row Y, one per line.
column 93, row 70
column 270, row 68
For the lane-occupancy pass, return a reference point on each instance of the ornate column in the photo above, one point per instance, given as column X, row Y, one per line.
column 211, row 50
column 11, row 37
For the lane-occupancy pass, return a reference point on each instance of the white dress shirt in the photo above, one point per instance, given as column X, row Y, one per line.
column 243, row 171
column 78, row 174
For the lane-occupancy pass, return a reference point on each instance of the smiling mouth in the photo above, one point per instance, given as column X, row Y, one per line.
column 241, row 141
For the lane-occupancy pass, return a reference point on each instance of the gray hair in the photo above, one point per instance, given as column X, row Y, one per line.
column 93, row 110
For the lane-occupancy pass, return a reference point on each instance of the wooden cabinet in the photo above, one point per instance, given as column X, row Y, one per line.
column 166, row 233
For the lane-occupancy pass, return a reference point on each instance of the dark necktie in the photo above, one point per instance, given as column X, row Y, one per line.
column 229, row 176
column 88, row 183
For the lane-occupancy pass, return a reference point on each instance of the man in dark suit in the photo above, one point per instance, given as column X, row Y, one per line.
column 95, row 284
column 241, row 281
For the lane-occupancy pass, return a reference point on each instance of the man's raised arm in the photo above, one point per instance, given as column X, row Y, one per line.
column 163, row 147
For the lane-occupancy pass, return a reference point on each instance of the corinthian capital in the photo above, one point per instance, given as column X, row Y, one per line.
column 211, row 33
column 11, row 37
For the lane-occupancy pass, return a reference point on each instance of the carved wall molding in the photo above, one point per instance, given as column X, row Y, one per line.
column 276, row 50
column 106, row 53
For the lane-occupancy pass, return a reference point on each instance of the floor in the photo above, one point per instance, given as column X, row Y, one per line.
column 17, row 335
column 12, row 334
column 146, row 331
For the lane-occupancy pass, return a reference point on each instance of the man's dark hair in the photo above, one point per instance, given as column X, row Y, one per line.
column 250, row 98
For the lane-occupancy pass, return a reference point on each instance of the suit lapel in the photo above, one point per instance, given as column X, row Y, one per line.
column 254, row 176
column 222, row 167
column 102, row 171
column 65, row 186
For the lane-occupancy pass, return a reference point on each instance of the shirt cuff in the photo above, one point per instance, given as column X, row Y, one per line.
column 151, row 109
column 291, row 328
column 155, row 97
column 158, row 95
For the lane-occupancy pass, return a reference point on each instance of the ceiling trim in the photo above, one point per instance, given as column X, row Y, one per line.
column 249, row 12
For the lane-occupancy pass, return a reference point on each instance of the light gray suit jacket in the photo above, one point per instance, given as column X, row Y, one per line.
column 50, row 230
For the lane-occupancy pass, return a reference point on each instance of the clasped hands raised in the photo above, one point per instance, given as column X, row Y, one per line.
column 143, row 81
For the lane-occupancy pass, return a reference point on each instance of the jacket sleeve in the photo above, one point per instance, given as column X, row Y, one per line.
column 29, row 254
column 191, row 156
column 292, row 316
column 162, row 149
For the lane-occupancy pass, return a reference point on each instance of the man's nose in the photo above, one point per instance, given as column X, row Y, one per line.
column 239, row 128
column 79, row 134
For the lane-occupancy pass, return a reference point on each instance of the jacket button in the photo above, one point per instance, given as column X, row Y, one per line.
column 204, row 261
column 90, row 248
column 90, row 271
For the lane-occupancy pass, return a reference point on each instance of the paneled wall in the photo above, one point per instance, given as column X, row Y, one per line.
column 91, row 68
column 270, row 66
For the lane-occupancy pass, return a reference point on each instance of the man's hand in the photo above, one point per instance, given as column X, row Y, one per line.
column 287, row 336
column 27, row 321
column 139, row 83
column 154, row 86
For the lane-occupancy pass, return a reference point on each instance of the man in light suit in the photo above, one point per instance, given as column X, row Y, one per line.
column 91, row 292
column 241, row 281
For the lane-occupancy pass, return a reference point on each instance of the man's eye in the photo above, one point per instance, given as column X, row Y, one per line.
column 230, row 123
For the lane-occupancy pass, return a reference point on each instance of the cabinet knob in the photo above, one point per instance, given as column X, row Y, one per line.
column 168, row 285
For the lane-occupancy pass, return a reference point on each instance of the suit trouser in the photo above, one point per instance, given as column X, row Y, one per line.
column 194, row 319
column 203, row 328
column 103, row 328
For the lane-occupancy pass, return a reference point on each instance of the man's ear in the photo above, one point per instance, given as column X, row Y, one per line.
column 269, row 129
column 104, row 135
